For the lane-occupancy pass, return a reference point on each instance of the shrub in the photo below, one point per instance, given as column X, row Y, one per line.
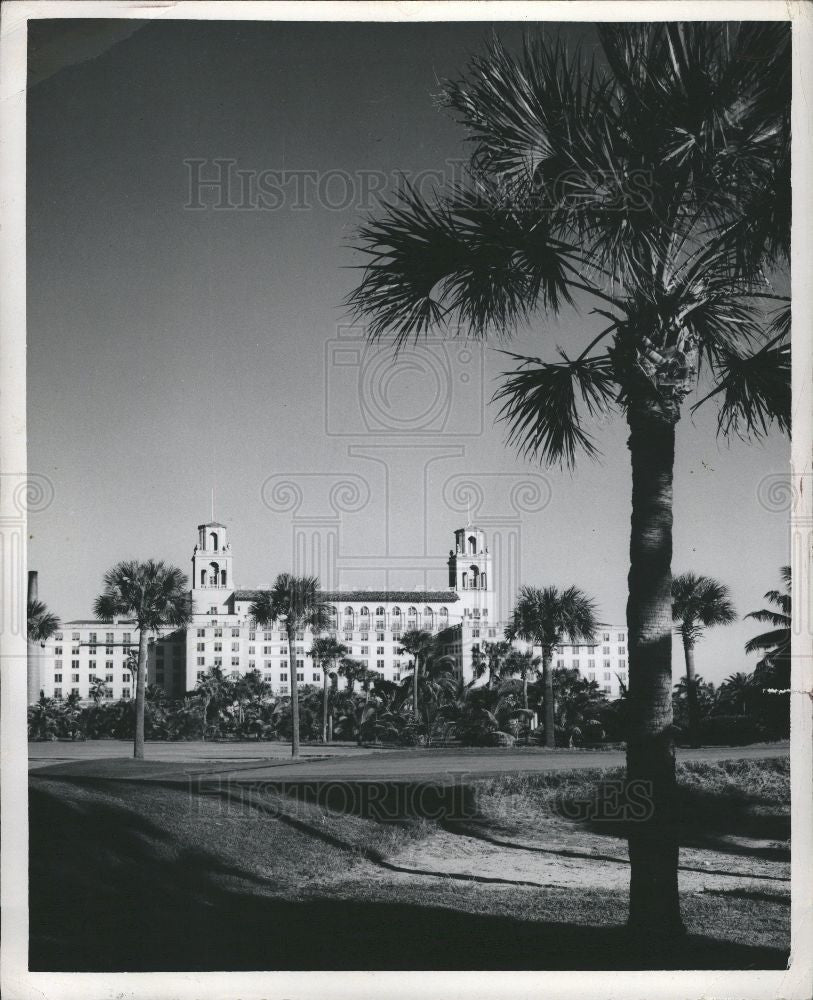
column 731, row 730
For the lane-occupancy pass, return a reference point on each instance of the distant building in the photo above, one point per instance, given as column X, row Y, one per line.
column 369, row 622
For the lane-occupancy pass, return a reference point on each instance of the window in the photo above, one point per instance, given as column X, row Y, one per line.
column 317, row 677
column 607, row 675
column 218, row 633
column 607, row 689
column 621, row 636
column 379, row 664
column 57, row 678
column 57, row 651
column 283, row 689
column 267, row 650
column 605, row 637
column 57, row 664
column 283, row 664
column 606, row 664
column 475, row 633
column 365, row 612
column 364, row 636
column 57, row 692
column 379, row 637
column 348, row 636
column 201, row 661
column 235, row 647
column 218, row 647
column 575, row 664
column 299, row 665
column 252, row 664
column 283, row 677
column 622, row 649
column 108, row 678
column 108, row 664
column 108, row 650
column 622, row 664
column 492, row 633
column 108, row 637
column 201, row 647
column 560, row 663
column 58, row 637
column 252, row 636
column 396, row 612
column 201, row 633
column 92, row 637
column 74, row 650
column 299, row 637
column 200, row 674
column 235, row 632
column 605, row 650
column 74, row 664
column 235, row 661
column 218, row 661
column 75, row 636
column 268, row 636
column 251, row 650
column 591, row 664
column 127, row 638
column 267, row 664
column 379, row 650
column 365, row 649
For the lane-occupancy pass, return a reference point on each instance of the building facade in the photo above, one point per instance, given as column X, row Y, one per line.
column 369, row 622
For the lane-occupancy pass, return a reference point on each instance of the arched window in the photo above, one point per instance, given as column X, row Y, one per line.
column 223, row 578
column 214, row 574
column 365, row 612
column 472, row 545
column 465, row 579
column 444, row 612
column 213, row 539
column 396, row 612
column 483, row 581
column 348, row 611
column 475, row 576
column 412, row 612
column 203, row 578
column 380, row 612
column 427, row 611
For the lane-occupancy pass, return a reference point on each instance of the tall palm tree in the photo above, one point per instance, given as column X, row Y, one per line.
column 774, row 667
column 652, row 186
column 698, row 603
column 546, row 617
column 489, row 657
column 326, row 650
column 211, row 689
column 155, row 595
column 417, row 643
column 294, row 602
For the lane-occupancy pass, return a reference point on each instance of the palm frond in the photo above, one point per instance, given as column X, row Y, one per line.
column 541, row 406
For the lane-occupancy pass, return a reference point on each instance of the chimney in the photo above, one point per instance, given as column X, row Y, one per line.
column 32, row 585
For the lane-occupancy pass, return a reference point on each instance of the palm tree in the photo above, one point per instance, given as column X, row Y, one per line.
column 417, row 643
column 737, row 689
column 98, row 690
column 489, row 658
column 41, row 624
column 698, row 603
column 774, row 667
column 296, row 603
column 326, row 650
column 155, row 595
column 653, row 187
column 524, row 665
column 546, row 617
column 211, row 690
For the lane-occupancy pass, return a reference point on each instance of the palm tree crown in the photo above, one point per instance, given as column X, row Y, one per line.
column 776, row 641
column 293, row 601
column 654, row 182
column 152, row 592
column 41, row 623
column 699, row 602
column 546, row 616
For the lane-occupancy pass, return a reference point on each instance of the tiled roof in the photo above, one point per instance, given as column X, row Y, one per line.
column 371, row 596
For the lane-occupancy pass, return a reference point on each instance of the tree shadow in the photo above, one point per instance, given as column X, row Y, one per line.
column 110, row 891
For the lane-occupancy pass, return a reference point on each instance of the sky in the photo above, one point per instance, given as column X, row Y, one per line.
column 175, row 347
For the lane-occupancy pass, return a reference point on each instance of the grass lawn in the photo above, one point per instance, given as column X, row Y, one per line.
column 151, row 875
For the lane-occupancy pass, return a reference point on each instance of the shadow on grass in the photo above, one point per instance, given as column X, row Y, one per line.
column 111, row 891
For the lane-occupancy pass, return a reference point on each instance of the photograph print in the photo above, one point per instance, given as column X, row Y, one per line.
column 407, row 505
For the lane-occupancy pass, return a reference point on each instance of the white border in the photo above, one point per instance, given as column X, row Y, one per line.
column 17, row 982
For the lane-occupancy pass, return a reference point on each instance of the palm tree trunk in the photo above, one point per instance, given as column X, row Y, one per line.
column 294, row 698
column 691, row 694
column 324, row 702
column 141, row 684
column 415, row 688
column 524, row 690
column 654, row 913
column 547, row 684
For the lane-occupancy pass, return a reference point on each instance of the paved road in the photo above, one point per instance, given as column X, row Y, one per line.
column 350, row 763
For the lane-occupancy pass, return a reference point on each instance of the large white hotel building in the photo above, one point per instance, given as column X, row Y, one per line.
column 369, row 622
